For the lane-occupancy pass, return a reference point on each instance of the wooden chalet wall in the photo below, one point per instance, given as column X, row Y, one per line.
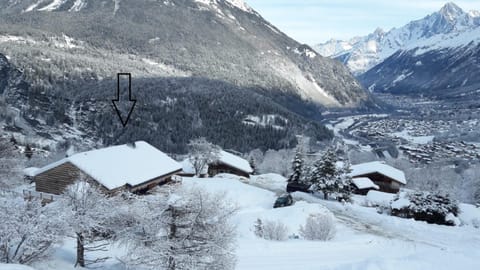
column 55, row 180
column 361, row 191
column 214, row 169
column 148, row 185
column 385, row 183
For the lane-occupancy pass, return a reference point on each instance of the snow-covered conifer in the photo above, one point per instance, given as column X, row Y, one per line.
column 297, row 166
column 331, row 177
column 324, row 174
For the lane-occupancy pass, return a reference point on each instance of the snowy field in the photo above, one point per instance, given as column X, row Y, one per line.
column 364, row 239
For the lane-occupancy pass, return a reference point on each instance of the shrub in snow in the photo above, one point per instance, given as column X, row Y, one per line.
column 469, row 215
column 271, row 230
column 476, row 223
column 425, row 206
column 318, row 227
column 258, row 228
column 28, row 230
column 190, row 230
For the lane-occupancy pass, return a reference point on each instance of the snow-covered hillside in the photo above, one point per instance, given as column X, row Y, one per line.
column 364, row 238
column 450, row 27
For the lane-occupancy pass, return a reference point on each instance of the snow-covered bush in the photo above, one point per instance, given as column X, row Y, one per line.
column 318, row 227
column 425, row 206
column 28, row 230
column 379, row 199
column 271, row 230
column 469, row 215
column 258, row 228
column 11, row 164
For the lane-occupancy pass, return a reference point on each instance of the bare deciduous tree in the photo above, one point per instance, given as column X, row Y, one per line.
column 191, row 230
column 89, row 217
column 10, row 165
column 28, row 230
column 201, row 154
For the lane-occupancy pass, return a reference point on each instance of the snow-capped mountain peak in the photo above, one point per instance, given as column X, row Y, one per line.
column 451, row 11
column 474, row 13
column 363, row 53
column 78, row 5
column 240, row 4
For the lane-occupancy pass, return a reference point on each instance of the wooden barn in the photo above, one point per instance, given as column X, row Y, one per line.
column 362, row 185
column 387, row 178
column 135, row 167
column 230, row 163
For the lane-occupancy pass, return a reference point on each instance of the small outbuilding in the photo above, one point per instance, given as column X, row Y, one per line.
column 361, row 185
column 230, row 163
column 29, row 174
column 136, row 167
column 387, row 178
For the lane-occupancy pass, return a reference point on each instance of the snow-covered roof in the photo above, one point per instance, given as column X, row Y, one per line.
column 116, row 166
column 364, row 183
column 234, row 161
column 30, row 171
column 187, row 167
column 378, row 167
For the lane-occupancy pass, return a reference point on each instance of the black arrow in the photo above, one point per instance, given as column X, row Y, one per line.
column 130, row 103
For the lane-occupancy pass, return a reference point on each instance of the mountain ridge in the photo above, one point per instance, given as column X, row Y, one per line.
column 200, row 69
column 276, row 55
column 363, row 53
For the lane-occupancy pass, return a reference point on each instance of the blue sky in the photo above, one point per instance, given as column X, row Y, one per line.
column 314, row 21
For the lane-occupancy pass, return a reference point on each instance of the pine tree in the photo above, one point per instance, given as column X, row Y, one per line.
column 327, row 177
column 325, row 174
column 344, row 182
column 13, row 140
column 253, row 166
column 297, row 166
column 28, row 151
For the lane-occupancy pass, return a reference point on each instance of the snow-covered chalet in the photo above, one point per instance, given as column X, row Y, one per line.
column 225, row 163
column 230, row 163
column 379, row 176
column 135, row 167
